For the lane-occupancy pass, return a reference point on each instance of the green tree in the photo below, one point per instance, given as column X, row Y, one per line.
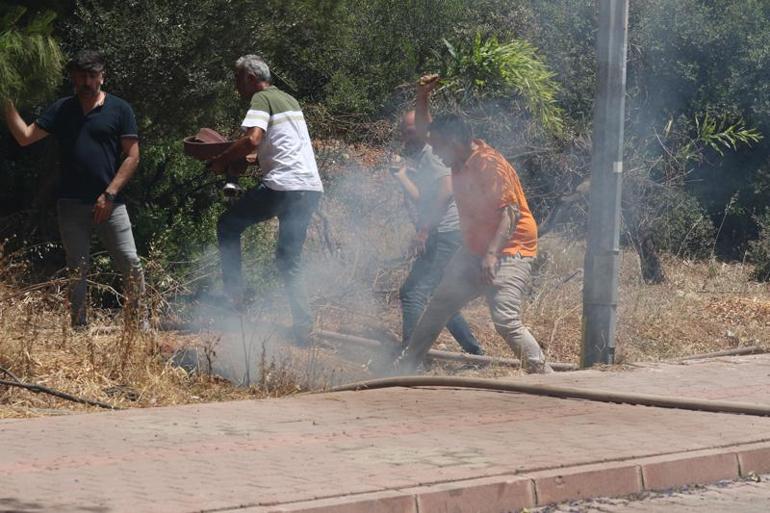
column 31, row 61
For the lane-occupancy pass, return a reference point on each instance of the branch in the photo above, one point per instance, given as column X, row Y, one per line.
column 38, row 389
column 10, row 374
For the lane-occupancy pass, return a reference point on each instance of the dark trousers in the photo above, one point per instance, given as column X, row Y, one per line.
column 293, row 210
column 426, row 273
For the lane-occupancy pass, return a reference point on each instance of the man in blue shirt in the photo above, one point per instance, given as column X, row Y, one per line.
column 94, row 130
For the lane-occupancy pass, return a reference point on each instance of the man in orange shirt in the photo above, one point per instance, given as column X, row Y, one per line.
column 500, row 240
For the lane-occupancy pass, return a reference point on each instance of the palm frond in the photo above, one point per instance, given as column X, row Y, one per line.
column 486, row 68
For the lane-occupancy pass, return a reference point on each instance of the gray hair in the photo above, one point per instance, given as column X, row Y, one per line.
column 254, row 65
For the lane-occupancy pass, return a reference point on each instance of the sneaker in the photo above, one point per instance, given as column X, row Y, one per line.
column 232, row 190
column 538, row 367
column 405, row 365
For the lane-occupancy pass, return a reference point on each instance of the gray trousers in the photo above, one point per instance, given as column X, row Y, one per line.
column 462, row 283
column 76, row 226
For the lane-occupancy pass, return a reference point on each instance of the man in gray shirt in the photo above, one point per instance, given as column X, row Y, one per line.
column 427, row 184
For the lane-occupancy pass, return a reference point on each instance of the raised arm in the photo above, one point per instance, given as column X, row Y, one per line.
column 23, row 133
column 425, row 87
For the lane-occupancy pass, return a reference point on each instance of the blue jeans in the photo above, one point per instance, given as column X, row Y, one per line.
column 293, row 210
column 76, row 226
column 426, row 273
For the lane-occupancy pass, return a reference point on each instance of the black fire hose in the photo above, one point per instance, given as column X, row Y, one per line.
column 562, row 393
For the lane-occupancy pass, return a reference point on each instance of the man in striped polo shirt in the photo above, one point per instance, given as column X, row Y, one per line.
column 275, row 128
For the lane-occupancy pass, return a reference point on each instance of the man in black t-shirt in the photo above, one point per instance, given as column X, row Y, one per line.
column 94, row 130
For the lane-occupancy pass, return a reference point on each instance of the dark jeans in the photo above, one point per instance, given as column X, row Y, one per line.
column 425, row 275
column 293, row 210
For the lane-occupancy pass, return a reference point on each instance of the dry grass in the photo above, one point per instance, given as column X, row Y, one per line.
column 355, row 255
column 117, row 364
column 703, row 307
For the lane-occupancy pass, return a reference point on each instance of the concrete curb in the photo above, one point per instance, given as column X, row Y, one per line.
column 502, row 494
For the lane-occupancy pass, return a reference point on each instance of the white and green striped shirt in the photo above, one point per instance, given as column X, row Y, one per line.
column 285, row 153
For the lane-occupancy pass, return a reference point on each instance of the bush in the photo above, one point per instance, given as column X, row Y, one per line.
column 683, row 228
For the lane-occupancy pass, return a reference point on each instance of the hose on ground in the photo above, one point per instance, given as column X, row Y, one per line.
column 561, row 392
column 40, row 389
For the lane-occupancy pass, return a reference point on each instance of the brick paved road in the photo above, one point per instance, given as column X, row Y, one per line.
column 264, row 455
column 730, row 497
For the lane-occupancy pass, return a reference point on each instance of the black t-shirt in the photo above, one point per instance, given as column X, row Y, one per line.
column 89, row 145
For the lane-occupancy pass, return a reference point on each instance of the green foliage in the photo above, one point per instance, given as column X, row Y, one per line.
column 176, row 202
column 684, row 143
column 719, row 133
column 486, row 68
column 171, row 59
column 696, row 67
column 31, row 61
column 682, row 227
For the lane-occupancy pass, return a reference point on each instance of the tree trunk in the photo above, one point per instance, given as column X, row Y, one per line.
column 649, row 261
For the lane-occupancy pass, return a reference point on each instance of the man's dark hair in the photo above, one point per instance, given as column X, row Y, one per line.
column 87, row 60
column 452, row 127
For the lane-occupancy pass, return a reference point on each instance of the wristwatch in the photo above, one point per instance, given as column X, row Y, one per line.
column 110, row 197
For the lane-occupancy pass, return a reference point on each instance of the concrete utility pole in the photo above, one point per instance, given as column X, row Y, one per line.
column 600, row 289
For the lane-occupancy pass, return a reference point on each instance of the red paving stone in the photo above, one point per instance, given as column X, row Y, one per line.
column 393, row 450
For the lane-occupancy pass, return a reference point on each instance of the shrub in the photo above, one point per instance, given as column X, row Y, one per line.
column 683, row 228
